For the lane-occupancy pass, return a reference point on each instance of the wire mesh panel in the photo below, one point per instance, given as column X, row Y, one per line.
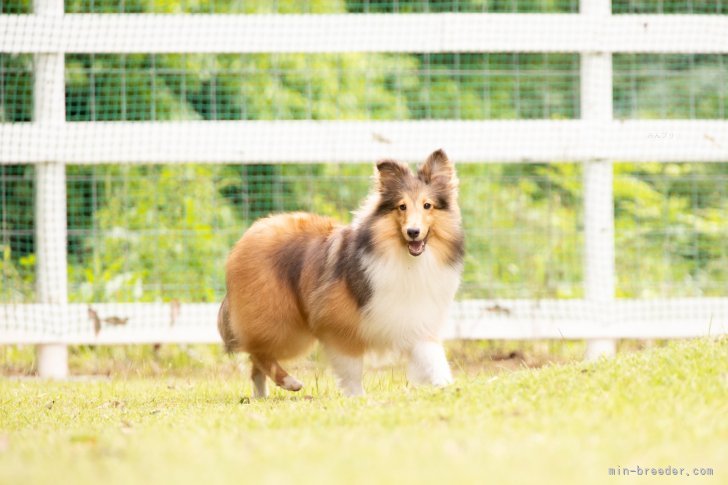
column 17, row 233
column 146, row 239
column 356, row 86
column 668, row 86
column 671, row 238
column 670, row 6
column 16, row 88
column 370, row 6
column 320, row 6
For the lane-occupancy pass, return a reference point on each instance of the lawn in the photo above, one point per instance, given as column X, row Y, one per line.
column 560, row 423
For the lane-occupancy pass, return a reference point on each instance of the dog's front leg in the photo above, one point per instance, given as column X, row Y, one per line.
column 348, row 371
column 428, row 365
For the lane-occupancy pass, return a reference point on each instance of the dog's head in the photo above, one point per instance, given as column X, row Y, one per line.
column 423, row 206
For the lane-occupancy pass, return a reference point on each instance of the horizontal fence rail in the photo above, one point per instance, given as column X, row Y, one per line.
column 362, row 141
column 456, row 32
column 130, row 323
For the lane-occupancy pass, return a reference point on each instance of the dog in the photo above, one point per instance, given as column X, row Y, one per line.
column 383, row 283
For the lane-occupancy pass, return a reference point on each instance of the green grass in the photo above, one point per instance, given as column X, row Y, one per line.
column 562, row 423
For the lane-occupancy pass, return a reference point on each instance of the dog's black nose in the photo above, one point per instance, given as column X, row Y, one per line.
column 413, row 233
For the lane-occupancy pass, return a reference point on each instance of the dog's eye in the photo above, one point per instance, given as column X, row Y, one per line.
column 403, row 207
column 428, row 205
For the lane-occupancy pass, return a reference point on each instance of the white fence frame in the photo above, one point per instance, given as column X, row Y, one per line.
column 596, row 139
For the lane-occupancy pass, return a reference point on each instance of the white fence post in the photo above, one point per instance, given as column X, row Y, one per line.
column 50, row 200
column 596, row 108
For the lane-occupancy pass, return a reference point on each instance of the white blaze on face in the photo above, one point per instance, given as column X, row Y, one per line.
column 414, row 219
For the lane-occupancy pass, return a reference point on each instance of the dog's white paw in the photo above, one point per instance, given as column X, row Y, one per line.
column 428, row 365
column 354, row 390
column 290, row 383
column 442, row 380
column 430, row 375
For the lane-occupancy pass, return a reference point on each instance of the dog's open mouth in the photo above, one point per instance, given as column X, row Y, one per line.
column 416, row 247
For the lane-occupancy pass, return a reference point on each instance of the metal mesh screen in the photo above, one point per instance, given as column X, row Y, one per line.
column 17, row 233
column 665, row 86
column 370, row 6
column 321, row 6
column 356, row 86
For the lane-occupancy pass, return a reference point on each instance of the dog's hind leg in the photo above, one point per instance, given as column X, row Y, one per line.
column 273, row 369
column 260, row 384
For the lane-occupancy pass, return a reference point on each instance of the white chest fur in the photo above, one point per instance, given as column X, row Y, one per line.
column 410, row 300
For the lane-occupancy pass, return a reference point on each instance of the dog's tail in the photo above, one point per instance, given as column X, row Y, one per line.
column 223, row 326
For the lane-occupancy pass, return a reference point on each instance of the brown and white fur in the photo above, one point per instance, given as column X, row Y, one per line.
column 384, row 282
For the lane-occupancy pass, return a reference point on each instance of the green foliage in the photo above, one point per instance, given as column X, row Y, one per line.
column 15, row 7
column 316, row 6
column 671, row 229
column 522, row 228
column 350, row 86
column 669, row 6
column 17, row 276
column 17, row 258
column 438, row 6
column 16, row 87
column 160, row 233
column 659, row 86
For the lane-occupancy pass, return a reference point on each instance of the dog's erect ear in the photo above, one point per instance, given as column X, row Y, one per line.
column 437, row 170
column 390, row 172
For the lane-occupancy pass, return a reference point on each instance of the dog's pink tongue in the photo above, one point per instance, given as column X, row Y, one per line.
column 416, row 247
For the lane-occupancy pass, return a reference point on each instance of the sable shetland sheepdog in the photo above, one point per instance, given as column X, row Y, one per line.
column 384, row 282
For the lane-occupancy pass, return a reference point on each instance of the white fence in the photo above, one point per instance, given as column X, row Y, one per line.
column 595, row 139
